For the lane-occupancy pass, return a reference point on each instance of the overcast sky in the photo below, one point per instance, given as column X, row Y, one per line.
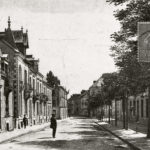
column 70, row 37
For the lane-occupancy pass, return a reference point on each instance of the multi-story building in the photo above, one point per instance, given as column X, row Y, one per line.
column 137, row 108
column 24, row 90
column 93, row 91
column 60, row 102
column 73, row 105
column 96, row 87
column 6, row 95
column 84, row 103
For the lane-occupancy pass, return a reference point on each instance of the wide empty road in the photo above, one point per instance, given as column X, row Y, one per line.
column 72, row 134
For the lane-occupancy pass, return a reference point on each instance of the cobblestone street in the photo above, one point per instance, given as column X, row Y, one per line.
column 72, row 134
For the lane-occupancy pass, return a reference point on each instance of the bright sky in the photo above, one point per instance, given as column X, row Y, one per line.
column 70, row 37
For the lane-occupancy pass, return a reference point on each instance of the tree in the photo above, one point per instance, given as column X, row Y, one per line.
column 124, row 49
column 109, row 88
column 52, row 80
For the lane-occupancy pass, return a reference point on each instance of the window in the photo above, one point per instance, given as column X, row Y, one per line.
column 20, row 73
column 37, row 87
column 26, row 107
column 138, row 108
column 147, row 108
column 6, row 68
column 25, row 78
column 30, row 81
column 34, row 108
column 33, row 84
column 134, row 103
column 40, row 87
column 41, row 111
column 37, row 108
column 44, row 109
column 2, row 66
column 142, row 108
column 7, row 106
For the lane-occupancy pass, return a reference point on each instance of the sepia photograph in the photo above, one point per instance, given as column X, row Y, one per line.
column 74, row 75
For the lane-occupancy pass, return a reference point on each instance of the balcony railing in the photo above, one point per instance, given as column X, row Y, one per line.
column 4, row 73
column 27, row 90
column 43, row 97
column 36, row 97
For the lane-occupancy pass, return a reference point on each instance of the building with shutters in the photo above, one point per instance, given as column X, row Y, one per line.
column 24, row 90
column 60, row 107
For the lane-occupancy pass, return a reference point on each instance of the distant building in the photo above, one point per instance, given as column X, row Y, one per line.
column 96, row 87
column 74, row 104
column 84, row 102
column 60, row 107
column 94, row 90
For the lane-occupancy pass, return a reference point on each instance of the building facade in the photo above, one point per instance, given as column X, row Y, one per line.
column 74, row 104
column 93, row 91
column 84, row 103
column 60, row 107
column 6, row 95
column 24, row 90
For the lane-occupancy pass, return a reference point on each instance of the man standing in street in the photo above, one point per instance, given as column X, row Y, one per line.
column 53, row 125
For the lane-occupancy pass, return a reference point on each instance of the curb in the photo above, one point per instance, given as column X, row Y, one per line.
column 125, row 141
column 30, row 131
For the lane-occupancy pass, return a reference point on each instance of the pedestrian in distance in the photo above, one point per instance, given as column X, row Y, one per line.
column 53, row 125
column 25, row 121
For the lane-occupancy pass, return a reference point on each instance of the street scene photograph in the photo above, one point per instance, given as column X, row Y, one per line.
column 74, row 75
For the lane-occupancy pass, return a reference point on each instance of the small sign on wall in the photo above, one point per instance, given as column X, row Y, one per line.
column 144, row 41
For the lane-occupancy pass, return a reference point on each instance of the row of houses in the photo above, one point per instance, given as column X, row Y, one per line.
column 137, row 108
column 79, row 104
column 23, row 88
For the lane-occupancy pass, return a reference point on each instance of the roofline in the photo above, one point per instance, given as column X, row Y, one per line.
column 40, row 74
column 5, row 42
column 63, row 88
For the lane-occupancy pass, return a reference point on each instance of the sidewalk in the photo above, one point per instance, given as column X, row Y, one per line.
column 136, row 140
column 134, row 126
column 6, row 136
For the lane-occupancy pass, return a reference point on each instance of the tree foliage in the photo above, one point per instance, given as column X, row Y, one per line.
column 109, row 86
column 124, row 49
column 52, row 80
column 96, row 101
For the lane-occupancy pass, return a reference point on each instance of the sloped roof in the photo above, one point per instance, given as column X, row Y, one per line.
column 18, row 36
column 2, row 34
